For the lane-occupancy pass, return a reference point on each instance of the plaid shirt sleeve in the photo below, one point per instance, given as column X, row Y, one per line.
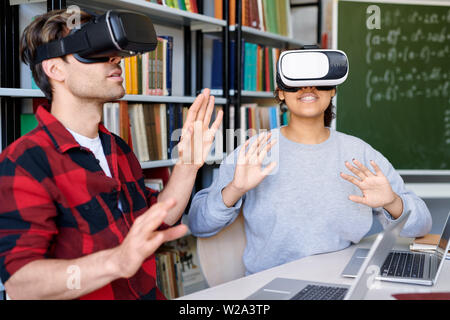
column 152, row 196
column 27, row 219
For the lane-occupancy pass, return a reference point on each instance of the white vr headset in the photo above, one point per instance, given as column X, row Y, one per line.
column 321, row 68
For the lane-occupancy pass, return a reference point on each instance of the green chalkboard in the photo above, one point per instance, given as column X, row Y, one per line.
column 397, row 94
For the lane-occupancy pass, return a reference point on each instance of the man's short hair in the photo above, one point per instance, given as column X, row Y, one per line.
column 47, row 27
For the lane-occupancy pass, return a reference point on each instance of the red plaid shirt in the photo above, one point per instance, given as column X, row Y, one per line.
column 56, row 202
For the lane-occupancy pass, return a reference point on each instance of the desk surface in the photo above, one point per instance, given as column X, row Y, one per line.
column 321, row 268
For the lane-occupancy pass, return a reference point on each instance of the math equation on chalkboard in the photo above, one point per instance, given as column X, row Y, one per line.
column 397, row 95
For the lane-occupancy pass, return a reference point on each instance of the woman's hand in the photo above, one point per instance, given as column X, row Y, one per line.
column 375, row 187
column 249, row 172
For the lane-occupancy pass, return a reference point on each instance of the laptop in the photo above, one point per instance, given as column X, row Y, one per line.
column 405, row 266
column 293, row 289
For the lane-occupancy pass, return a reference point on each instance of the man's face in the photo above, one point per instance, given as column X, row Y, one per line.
column 100, row 81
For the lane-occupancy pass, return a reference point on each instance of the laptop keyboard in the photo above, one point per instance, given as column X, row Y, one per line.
column 404, row 265
column 317, row 292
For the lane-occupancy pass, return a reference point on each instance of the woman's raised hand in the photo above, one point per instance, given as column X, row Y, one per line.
column 375, row 187
column 249, row 172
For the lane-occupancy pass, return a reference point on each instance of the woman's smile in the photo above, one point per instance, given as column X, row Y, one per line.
column 308, row 97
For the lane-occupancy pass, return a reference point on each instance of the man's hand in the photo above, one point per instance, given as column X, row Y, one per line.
column 376, row 189
column 197, row 137
column 144, row 239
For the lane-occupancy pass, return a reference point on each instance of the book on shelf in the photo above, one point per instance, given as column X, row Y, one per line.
column 155, row 129
column 185, row 5
column 254, row 116
column 265, row 15
column 155, row 184
column 151, row 72
column 27, row 123
column 116, row 120
column 258, row 66
column 217, row 65
column 179, row 268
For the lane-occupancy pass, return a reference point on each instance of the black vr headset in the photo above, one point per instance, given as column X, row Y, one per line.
column 321, row 68
column 115, row 33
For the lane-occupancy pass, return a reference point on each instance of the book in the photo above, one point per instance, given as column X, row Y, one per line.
column 171, row 127
column 168, row 65
column 142, row 136
column 27, row 123
column 427, row 243
column 262, row 25
column 422, row 296
column 218, row 9
column 150, row 131
column 194, row 6
column 133, row 128
column 128, row 78
column 192, row 275
column 217, row 64
column 139, row 74
column 155, row 184
column 158, row 129
column 124, row 122
column 134, row 75
column 163, row 121
column 232, row 12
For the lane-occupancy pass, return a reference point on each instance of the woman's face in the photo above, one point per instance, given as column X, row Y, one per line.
column 307, row 102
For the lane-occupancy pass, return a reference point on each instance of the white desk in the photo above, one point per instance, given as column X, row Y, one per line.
column 322, row 268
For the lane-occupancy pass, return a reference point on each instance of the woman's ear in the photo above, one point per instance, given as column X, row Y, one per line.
column 281, row 95
column 333, row 93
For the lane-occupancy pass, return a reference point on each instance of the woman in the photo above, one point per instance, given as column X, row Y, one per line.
column 320, row 195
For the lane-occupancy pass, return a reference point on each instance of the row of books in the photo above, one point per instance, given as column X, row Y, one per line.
column 255, row 118
column 152, row 130
column 186, row 5
column 178, row 269
column 259, row 66
column 151, row 72
column 266, row 15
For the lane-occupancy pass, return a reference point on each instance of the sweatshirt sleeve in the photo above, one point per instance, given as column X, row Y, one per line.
column 419, row 221
column 208, row 214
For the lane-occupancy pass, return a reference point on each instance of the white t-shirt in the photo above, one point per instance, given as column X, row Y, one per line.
column 95, row 145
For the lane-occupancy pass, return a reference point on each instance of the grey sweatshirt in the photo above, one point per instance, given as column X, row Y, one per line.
column 302, row 207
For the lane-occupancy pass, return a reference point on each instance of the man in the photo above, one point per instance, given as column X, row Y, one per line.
column 74, row 215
